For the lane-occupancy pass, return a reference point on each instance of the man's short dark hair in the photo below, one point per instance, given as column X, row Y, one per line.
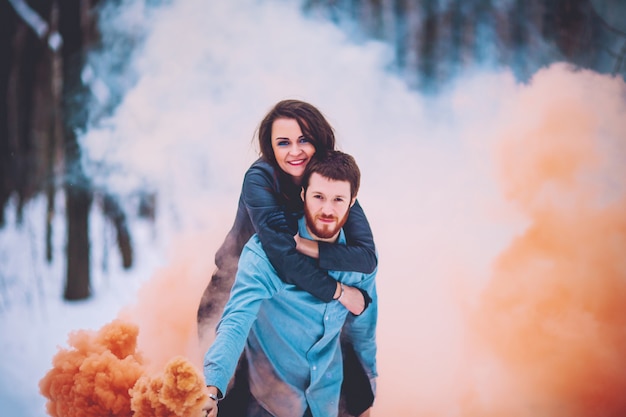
column 334, row 165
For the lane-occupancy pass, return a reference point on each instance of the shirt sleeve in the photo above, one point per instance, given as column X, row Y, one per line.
column 253, row 284
column 359, row 252
column 260, row 197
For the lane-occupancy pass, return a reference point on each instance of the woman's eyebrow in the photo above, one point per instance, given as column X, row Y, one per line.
column 285, row 137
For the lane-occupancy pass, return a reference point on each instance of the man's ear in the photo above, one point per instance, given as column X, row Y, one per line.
column 353, row 201
column 302, row 193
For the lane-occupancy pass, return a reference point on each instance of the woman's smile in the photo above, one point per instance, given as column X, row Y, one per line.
column 298, row 162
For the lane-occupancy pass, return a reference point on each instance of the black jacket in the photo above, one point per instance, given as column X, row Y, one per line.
column 263, row 193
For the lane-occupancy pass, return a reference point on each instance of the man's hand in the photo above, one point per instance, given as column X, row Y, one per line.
column 352, row 299
column 210, row 407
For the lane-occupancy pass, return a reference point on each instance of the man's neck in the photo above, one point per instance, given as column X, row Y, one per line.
column 332, row 239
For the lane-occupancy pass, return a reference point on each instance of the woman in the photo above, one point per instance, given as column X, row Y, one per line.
column 289, row 136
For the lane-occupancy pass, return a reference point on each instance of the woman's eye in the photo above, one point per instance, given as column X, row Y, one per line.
column 282, row 143
column 304, row 140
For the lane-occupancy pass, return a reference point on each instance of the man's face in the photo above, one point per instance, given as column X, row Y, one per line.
column 326, row 206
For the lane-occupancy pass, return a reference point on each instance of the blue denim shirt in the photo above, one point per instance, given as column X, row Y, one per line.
column 291, row 338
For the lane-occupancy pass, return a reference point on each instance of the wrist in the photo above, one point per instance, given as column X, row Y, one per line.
column 339, row 292
column 213, row 392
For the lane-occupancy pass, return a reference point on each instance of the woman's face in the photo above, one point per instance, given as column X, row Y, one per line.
column 292, row 150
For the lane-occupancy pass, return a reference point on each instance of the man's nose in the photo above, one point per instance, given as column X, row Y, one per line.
column 327, row 208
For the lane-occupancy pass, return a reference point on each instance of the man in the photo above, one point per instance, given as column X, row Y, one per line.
column 292, row 339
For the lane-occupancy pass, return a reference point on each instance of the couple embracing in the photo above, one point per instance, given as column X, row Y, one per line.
column 293, row 299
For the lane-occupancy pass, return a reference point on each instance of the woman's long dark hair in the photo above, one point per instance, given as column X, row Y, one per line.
column 312, row 122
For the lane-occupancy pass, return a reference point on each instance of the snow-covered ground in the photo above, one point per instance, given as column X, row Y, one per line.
column 34, row 319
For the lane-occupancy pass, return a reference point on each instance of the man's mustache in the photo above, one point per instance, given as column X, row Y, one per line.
column 327, row 217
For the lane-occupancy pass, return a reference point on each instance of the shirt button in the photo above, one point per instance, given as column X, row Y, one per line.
column 327, row 317
column 314, row 367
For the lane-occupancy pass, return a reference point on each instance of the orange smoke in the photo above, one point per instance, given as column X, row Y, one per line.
column 94, row 377
column 103, row 375
column 110, row 372
column 554, row 314
column 178, row 392
column 167, row 304
column 547, row 336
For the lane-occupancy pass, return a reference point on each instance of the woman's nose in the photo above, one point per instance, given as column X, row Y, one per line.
column 295, row 149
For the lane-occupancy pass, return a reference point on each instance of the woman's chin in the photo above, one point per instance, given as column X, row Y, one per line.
column 296, row 175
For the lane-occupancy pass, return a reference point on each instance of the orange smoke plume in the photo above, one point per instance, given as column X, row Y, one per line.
column 167, row 305
column 178, row 392
column 554, row 314
column 107, row 373
column 103, row 375
column 94, row 378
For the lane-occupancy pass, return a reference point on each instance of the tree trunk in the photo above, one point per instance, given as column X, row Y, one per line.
column 8, row 21
column 77, row 187
column 113, row 211
column 78, row 284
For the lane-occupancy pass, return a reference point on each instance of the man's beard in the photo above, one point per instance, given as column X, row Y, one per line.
column 326, row 231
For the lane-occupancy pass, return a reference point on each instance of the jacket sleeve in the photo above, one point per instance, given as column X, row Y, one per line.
column 260, row 197
column 359, row 253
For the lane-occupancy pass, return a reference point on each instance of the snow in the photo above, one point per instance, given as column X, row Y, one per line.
column 34, row 320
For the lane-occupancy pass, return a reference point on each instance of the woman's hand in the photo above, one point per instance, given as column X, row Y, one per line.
column 307, row 247
column 353, row 299
column 283, row 223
